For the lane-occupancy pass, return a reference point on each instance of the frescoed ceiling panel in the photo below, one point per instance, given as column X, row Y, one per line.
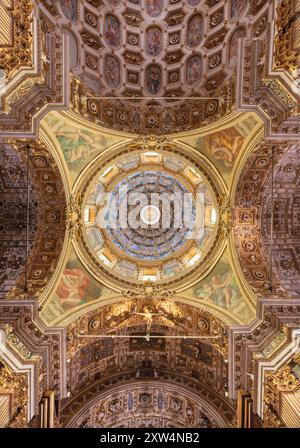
column 77, row 144
column 180, row 62
column 75, row 289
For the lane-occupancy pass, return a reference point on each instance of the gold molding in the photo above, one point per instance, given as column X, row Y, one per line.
column 19, row 54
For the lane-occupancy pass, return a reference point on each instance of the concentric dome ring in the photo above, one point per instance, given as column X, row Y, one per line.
column 134, row 196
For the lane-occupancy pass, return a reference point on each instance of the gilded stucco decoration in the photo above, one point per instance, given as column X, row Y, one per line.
column 32, row 73
column 160, row 72
column 16, row 38
column 13, row 217
column 270, row 335
column 286, row 224
column 32, row 343
column 287, row 42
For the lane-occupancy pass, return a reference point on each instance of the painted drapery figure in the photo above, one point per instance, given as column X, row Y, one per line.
column 154, row 41
column 195, row 31
column 154, row 7
column 112, row 71
column 237, row 8
column 153, row 78
column 220, row 290
column 73, row 287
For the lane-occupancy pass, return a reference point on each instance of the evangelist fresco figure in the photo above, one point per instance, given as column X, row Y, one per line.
column 112, row 31
column 195, row 31
column 221, row 289
column 225, row 145
column 76, row 287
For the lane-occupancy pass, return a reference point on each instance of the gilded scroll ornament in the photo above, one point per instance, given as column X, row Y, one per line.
column 20, row 55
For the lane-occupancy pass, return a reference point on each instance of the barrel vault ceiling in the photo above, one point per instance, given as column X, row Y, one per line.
column 165, row 95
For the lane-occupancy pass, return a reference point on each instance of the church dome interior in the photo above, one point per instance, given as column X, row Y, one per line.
column 173, row 204
column 149, row 214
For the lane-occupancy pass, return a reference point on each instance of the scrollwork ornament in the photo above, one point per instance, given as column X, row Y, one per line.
column 79, row 97
column 284, row 96
column 22, row 293
column 271, row 419
column 274, row 345
column 148, row 290
column 286, row 55
column 283, row 380
column 226, row 217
